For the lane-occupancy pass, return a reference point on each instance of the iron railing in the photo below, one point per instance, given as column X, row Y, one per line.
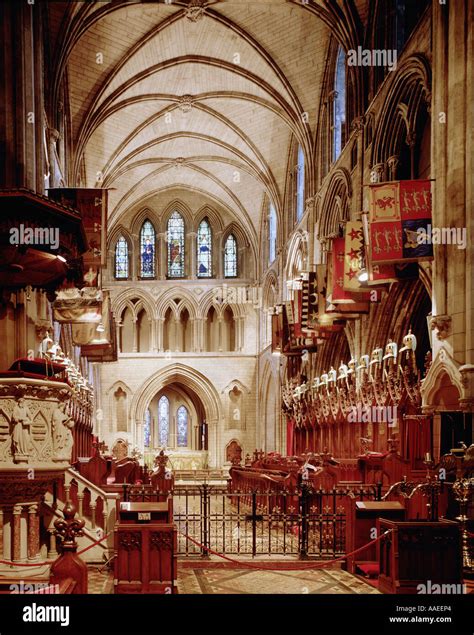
column 306, row 522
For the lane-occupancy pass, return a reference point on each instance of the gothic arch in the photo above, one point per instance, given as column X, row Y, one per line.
column 335, row 207
column 126, row 298
column 270, row 284
column 179, row 206
column 215, row 220
column 297, row 250
column 207, row 300
column 443, row 367
column 140, row 217
column 409, row 89
column 189, row 378
column 186, row 299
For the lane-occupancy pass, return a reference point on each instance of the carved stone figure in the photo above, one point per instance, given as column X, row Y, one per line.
column 61, row 425
column 21, row 440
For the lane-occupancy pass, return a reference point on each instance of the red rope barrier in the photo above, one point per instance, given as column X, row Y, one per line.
column 306, row 565
column 40, row 564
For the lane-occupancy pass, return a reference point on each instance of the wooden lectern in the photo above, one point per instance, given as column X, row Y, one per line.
column 419, row 554
column 145, row 548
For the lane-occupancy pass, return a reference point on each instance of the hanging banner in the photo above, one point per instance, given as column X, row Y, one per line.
column 400, row 213
column 338, row 295
column 354, row 255
column 78, row 306
column 309, row 301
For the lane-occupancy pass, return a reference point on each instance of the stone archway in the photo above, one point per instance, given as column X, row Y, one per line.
column 195, row 382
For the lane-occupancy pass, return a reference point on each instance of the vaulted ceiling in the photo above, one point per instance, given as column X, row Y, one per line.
column 193, row 94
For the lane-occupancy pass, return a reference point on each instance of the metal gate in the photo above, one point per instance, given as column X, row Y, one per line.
column 304, row 522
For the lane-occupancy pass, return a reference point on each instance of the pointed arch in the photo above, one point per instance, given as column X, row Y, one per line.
column 335, row 207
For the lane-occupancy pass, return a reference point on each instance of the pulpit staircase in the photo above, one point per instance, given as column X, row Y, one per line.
column 97, row 525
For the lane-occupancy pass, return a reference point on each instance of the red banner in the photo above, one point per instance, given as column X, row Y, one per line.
column 338, row 295
column 399, row 211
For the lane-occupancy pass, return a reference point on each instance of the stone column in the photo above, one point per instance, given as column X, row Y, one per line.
column 33, row 532
column 193, row 251
column 392, row 163
column 16, row 533
column 240, row 334
column 203, row 334
column 80, row 501
column 219, row 253
column 198, row 335
column 135, row 336
column 219, row 334
column 163, row 251
column 377, row 172
column 118, row 326
column 93, row 506
column 154, row 336
column 192, row 327
column 177, row 334
column 52, row 552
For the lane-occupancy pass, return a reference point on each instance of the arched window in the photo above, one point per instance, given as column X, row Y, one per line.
column 300, row 185
column 121, row 259
column 164, row 421
column 182, row 427
column 230, row 257
column 204, row 250
column 147, row 250
column 272, row 234
column 339, row 112
column 147, row 429
column 176, row 246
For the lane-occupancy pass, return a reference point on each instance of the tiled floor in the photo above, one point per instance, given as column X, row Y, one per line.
column 199, row 580
column 240, row 581
column 100, row 582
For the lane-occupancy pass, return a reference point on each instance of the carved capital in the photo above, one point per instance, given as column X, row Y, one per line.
column 441, row 323
column 358, row 123
column 376, row 172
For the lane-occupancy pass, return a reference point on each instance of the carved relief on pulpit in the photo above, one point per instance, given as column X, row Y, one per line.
column 21, row 433
column 34, row 429
column 61, row 426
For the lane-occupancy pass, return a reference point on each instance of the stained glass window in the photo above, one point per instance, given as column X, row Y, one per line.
column 176, row 246
column 121, row 259
column 300, row 185
column 147, row 429
column 339, row 116
column 204, row 250
column 230, row 257
column 182, row 426
column 164, row 421
column 272, row 234
column 147, row 250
